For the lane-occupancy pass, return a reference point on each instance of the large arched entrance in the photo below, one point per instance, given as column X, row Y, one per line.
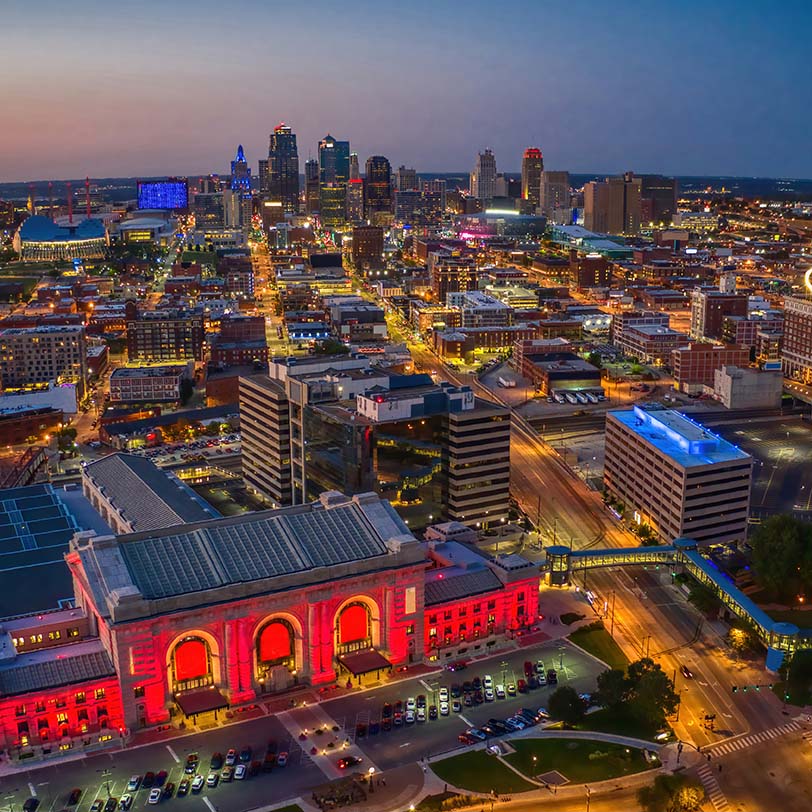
column 277, row 652
column 356, row 638
column 193, row 669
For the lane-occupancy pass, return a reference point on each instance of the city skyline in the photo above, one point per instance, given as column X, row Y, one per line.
column 686, row 95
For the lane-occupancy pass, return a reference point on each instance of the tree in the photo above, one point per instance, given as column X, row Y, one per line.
column 187, row 389
column 782, row 557
column 331, row 346
column 566, row 706
column 704, row 598
column 651, row 696
column 613, row 688
column 594, row 358
column 671, row 793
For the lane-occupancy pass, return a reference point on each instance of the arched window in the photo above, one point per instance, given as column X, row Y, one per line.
column 191, row 660
column 275, row 643
column 354, row 624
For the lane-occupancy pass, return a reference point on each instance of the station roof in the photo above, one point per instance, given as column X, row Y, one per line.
column 258, row 553
column 148, row 498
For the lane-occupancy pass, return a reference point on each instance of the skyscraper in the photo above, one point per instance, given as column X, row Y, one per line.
column 355, row 171
column 355, row 200
column 311, row 186
column 483, row 178
column 377, row 186
column 334, row 174
column 334, row 160
column 240, row 172
column 405, row 179
column 659, row 199
column 555, row 192
column 283, row 169
column 532, row 168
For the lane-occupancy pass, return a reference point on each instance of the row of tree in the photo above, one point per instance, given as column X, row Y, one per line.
column 782, row 558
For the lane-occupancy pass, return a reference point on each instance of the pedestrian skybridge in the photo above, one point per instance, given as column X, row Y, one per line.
column 779, row 638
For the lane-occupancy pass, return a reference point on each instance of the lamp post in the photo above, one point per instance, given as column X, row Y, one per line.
column 588, row 796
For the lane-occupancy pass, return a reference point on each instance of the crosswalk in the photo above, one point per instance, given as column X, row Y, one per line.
column 712, row 788
column 723, row 748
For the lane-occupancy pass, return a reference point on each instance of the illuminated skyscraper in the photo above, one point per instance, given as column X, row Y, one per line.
column 483, row 178
column 283, row 169
column 240, row 172
column 355, row 172
column 532, row 167
column 355, row 200
column 334, row 173
column 377, row 186
column 555, row 192
column 406, row 179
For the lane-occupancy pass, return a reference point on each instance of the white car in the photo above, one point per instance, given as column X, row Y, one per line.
column 500, row 692
column 213, row 779
column 487, row 682
column 240, row 771
column 231, row 757
column 154, row 795
column 444, row 709
column 408, row 717
column 489, row 695
column 421, row 714
column 443, row 694
column 197, row 783
column 411, row 704
column 126, row 802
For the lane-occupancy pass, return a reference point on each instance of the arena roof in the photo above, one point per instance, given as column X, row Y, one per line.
column 147, row 497
column 39, row 228
column 224, row 559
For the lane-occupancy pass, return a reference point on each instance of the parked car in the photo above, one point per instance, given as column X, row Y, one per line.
column 227, row 774
column 231, row 757
column 443, row 695
column 500, row 691
column 97, row 805
column 552, row 677
column 282, row 759
column 240, row 771
column 433, row 711
column 160, row 778
column 521, row 686
column 183, row 787
column 349, row 761
column 134, row 783
column 213, row 779
column 74, row 796
column 216, row 761
column 245, row 754
column 197, row 783
column 148, row 781
column 169, row 790
column 126, row 802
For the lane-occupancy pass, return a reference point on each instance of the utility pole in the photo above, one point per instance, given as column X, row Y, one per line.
column 612, row 623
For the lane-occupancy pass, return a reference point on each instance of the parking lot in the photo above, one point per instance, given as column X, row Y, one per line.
column 310, row 761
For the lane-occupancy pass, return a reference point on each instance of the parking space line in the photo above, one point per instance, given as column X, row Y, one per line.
column 209, row 804
column 173, row 754
column 467, row 722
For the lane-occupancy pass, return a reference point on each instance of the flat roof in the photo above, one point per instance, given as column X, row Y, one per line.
column 679, row 438
column 147, row 372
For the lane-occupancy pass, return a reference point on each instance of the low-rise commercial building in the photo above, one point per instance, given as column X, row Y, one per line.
column 694, row 366
column 148, row 384
column 748, row 388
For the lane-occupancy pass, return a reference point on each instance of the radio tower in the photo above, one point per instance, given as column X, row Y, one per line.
column 69, row 187
column 87, row 197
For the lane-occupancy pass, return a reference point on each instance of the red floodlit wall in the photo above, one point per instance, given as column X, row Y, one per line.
column 64, row 717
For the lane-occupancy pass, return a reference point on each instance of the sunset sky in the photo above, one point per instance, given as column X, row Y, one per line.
column 150, row 88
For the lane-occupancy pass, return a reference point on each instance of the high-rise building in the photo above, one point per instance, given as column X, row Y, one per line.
column 405, row 179
column 311, row 186
column 33, row 355
column 555, row 192
column 532, row 169
column 265, row 430
column 613, row 205
column 483, row 178
column 334, row 161
column 355, row 200
column 164, row 335
column 283, row 169
column 377, row 186
column 435, row 193
column 240, row 172
column 451, row 273
column 355, row 170
column 334, row 174
column 237, row 208
column 658, row 199
column 677, row 477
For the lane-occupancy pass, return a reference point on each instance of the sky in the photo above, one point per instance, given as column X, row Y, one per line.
column 717, row 87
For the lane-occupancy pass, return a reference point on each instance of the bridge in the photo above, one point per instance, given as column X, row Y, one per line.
column 781, row 639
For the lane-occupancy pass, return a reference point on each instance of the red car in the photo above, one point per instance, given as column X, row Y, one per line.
column 528, row 668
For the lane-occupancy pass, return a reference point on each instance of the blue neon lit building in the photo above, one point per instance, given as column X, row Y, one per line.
column 170, row 194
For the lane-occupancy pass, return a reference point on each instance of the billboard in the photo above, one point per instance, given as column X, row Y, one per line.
column 172, row 193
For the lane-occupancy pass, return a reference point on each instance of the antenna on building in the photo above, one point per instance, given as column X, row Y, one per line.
column 69, row 187
column 87, row 196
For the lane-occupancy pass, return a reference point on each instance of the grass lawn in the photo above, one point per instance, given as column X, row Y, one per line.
column 479, row 772
column 607, row 720
column 571, row 757
column 568, row 618
column 203, row 257
column 596, row 640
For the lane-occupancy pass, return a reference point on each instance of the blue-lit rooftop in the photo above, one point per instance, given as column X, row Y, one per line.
column 686, row 442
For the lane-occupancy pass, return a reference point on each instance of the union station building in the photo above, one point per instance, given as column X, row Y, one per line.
column 196, row 618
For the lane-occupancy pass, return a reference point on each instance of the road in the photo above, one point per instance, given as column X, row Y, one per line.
column 53, row 782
